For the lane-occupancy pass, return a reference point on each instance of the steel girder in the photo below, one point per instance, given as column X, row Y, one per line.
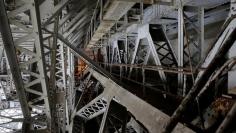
column 38, row 99
column 221, row 47
column 57, row 79
column 143, row 33
column 124, row 97
column 180, row 47
column 115, row 11
column 74, row 38
column 1, row 53
column 43, row 50
column 113, row 90
column 189, row 44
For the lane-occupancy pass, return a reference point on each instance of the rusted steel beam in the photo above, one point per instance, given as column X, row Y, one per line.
column 228, row 121
column 186, row 71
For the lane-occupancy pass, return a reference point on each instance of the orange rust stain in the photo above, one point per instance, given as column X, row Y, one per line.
column 222, row 105
column 80, row 68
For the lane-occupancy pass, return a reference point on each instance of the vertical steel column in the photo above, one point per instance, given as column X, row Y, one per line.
column 36, row 23
column 113, row 52
column 201, row 36
column 126, row 51
column 232, row 53
column 62, row 61
column 52, row 79
column 104, row 51
column 70, row 99
column 101, row 10
column 211, row 62
column 118, row 57
column 1, row 53
column 180, row 48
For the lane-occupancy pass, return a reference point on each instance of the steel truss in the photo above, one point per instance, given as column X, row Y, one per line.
column 120, row 95
column 42, row 62
column 221, row 47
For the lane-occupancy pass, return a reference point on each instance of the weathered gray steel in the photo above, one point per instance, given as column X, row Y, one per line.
column 153, row 121
column 212, row 64
column 12, row 58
